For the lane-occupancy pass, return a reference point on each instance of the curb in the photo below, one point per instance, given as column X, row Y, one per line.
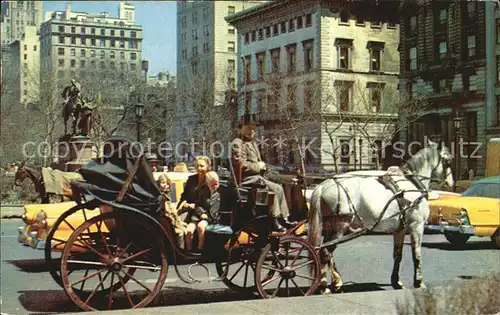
column 11, row 211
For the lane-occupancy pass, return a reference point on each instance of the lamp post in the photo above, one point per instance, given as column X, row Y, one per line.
column 456, row 123
column 139, row 111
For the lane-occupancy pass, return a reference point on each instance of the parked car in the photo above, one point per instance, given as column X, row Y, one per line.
column 475, row 212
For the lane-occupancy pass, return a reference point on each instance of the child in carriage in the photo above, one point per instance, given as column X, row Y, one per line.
column 205, row 212
column 165, row 185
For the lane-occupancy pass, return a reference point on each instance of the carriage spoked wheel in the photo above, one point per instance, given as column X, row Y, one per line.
column 127, row 269
column 239, row 267
column 58, row 236
column 295, row 265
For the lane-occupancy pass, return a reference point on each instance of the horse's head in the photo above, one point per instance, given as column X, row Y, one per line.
column 20, row 175
column 441, row 163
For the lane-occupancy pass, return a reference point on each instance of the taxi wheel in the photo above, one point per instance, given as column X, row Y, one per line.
column 456, row 239
column 496, row 238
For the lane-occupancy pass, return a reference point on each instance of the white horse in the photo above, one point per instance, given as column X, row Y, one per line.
column 360, row 199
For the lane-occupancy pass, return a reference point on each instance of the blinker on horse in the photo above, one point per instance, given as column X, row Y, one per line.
column 361, row 199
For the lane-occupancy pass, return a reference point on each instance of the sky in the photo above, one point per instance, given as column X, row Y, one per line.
column 158, row 21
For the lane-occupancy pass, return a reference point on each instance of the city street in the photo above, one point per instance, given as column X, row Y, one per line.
column 365, row 263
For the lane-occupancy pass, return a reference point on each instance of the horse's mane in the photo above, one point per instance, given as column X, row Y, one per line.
column 425, row 156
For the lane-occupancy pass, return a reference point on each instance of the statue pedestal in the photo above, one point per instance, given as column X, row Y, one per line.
column 73, row 153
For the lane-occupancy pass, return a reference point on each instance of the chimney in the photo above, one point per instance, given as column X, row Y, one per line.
column 68, row 10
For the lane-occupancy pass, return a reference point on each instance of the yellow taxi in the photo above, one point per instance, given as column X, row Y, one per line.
column 475, row 212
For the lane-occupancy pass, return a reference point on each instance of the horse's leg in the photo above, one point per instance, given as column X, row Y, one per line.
column 416, row 245
column 336, row 277
column 324, row 256
column 398, row 238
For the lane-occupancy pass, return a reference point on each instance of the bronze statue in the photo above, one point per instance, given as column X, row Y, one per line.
column 75, row 108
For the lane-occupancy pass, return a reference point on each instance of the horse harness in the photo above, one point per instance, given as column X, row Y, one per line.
column 389, row 183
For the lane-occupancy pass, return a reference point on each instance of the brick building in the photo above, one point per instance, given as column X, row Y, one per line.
column 447, row 51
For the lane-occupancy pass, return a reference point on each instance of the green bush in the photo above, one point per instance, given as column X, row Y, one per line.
column 10, row 194
column 476, row 296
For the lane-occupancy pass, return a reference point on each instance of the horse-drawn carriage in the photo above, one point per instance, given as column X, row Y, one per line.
column 119, row 257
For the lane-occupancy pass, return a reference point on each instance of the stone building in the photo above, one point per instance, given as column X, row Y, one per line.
column 16, row 15
column 206, row 62
column 448, row 59
column 73, row 43
column 332, row 64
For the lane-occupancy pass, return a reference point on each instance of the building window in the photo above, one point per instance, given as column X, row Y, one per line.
column 308, row 20
column 275, row 30
column 291, row 58
column 83, row 41
column 73, row 40
column 471, row 11
column 102, row 43
column 344, row 17
column 443, row 19
column 254, row 36
column 230, row 46
column 92, row 41
column 194, row 18
column 275, row 60
column 183, row 22
column 92, row 53
column 308, row 55
column 260, row 34
column 375, row 49
column 268, row 31
column 291, row 25
column 72, row 63
column 498, row 31
column 122, row 43
column 92, row 31
column 103, row 32
column 206, row 47
column 300, row 22
column 61, row 39
column 413, row 58
column 231, row 31
column 133, row 34
column 205, row 13
column 72, row 52
column 34, row 47
column 498, row 70
column 103, row 54
column 412, row 25
column 194, row 34
column 61, row 29
column 82, row 63
column 292, row 97
column 122, row 33
column 283, row 27
column 112, row 54
column 132, row 66
column 260, row 65
column 73, row 29
column 205, row 31
column 231, row 10
column 247, row 60
column 343, row 95
column 375, row 99
column 308, row 95
column 231, row 65
column 345, row 151
column 60, row 62
column 112, row 32
column 377, row 151
column 247, row 38
column 25, row 56
column 443, row 50
column 82, row 53
column 471, row 46
column 60, row 51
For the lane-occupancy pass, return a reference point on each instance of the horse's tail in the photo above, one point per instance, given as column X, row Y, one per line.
column 314, row 228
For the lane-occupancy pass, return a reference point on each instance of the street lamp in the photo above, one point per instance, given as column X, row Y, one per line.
column 139, row 111
column 456, row 123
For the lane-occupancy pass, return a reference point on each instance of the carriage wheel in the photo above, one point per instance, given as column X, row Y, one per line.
column 295, row 266
column 239, row 268
column 56, row 239
column 139, row 257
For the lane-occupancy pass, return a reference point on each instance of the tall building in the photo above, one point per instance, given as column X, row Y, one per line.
column 22, row 68
column 75, row 43
column 206, row 56
column 16, row 15
column 331, row 66
column 448, row 51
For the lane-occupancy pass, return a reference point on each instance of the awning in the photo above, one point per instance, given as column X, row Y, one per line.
column 343, row 41
column 374, row 44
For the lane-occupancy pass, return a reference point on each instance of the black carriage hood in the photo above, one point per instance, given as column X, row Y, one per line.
column 105, row 177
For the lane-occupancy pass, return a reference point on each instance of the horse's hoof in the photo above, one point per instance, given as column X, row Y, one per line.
column 323, row 282
column 337, row 289
column 419, row 284
column 398, row 285
column 326, row 291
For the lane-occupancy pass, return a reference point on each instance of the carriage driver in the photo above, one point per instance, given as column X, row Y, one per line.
column 245, row 150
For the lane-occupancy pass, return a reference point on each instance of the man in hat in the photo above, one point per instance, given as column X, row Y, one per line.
column 245, row 150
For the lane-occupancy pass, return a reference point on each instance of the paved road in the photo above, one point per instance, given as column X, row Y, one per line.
column 365, row 263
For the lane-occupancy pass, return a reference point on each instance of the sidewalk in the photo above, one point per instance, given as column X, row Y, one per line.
column 11, row 211
column 373, row 302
